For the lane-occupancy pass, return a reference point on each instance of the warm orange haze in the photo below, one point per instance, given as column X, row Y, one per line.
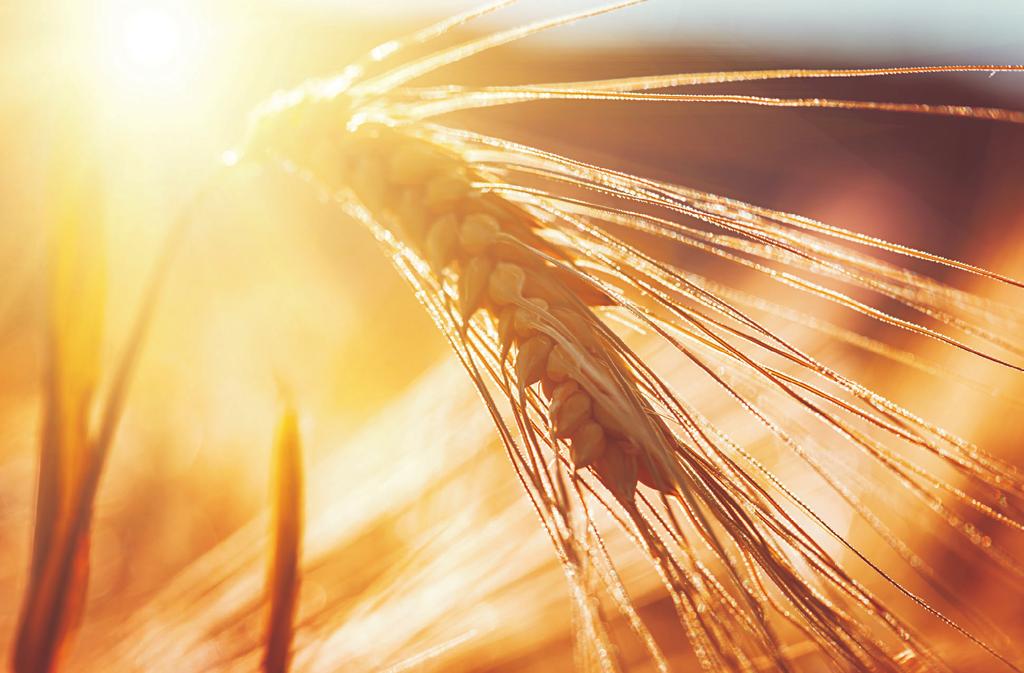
column 535, row 337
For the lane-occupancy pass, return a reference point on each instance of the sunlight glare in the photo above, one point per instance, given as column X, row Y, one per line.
column 151, row 46
column 152, row 39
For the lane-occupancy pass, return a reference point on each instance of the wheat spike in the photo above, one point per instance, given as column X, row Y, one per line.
column 521, row 279
column 543, row 312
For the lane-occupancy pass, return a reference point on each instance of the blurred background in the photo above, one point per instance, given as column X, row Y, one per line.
column 273, row 285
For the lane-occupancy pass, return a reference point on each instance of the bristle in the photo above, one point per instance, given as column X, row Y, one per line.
column 672, row 80
column 473, row 100
column 443, row 99
column 417, row 68
column 382, row 53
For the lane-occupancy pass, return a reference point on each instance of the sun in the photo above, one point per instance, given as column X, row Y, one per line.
column 151, row 39
column 150, row 46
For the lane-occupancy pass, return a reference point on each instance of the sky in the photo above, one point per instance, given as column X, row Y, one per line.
column 953, row 30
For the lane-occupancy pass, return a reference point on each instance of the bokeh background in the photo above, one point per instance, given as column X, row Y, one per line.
column 274, row 287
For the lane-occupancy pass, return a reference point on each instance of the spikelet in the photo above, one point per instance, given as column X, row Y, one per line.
column 523, row 280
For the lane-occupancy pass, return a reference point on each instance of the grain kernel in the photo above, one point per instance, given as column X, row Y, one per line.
column 562, row 392
column 506, row 284
column 531, row 359
column 525, row 321
column 442, row 240
column 618, row 471
column 571, row 414
column 478, row 232
column 505, row 333
column 547, row 386
column 559, row 365
column 588, row 444
column 473, row 285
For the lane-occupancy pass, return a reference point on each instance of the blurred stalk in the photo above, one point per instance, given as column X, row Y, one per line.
column 283, row 576
column 59, row 568
column 78, row 430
